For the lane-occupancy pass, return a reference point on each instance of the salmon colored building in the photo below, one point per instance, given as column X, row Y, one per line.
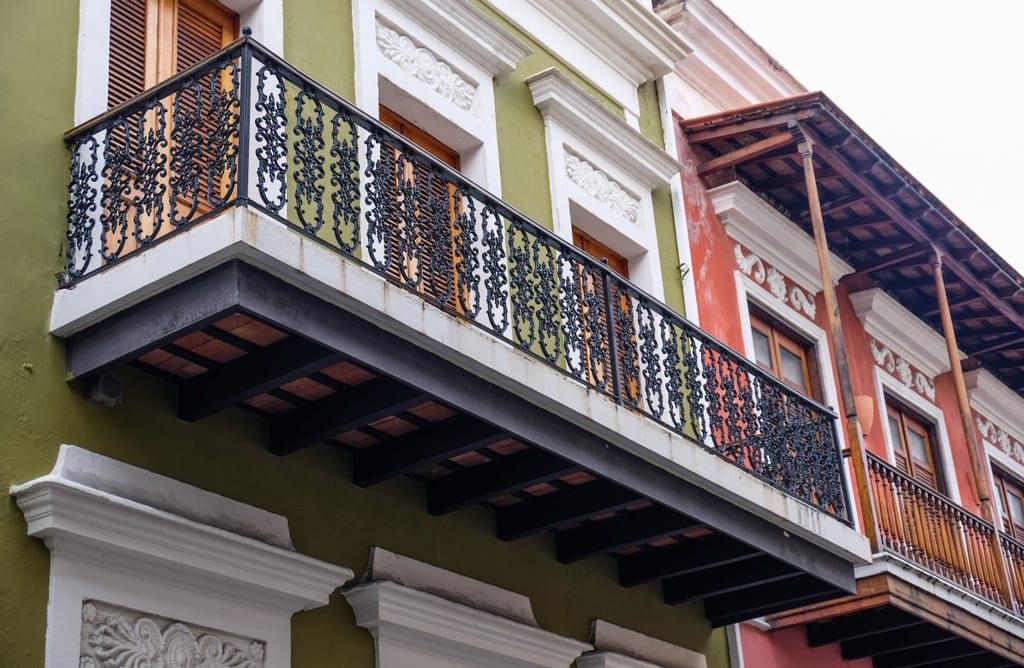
column 821, row 259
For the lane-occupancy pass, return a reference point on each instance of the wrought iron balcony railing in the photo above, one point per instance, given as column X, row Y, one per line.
column 244, row 128
column 931, row 531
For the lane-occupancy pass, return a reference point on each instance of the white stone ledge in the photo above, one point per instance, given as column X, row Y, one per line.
column 269, row 245
column 89, row 523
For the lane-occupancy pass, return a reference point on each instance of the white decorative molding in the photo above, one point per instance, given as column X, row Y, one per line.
column 901, row 369
column 887, row 320
column 760, row 228
column 561, row 100
column 990, row 397
column 618, row 647
column 132, row 538
column 415, row 628
column 425, row 66
column 775, row 282
column 727, row 67
column 993, row 436
column 115, row 637
column 470, row 31
column 597, row 184
column 616, row 45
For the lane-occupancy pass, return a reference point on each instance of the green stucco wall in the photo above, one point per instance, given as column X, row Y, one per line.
column 330, row 518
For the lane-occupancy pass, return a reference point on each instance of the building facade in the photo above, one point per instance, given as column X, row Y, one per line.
column 353, row 333
column 835, row 270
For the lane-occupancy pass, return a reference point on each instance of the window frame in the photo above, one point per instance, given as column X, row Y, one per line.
column 887, row 385
column 780, row 336
column 1006, row 524
column 909, row 421
column 264, row 17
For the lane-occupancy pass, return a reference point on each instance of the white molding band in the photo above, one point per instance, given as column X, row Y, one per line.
column 763, row 230
column 899, row 329
column 618, row 647
column 635, row 46
column 415, row 628
column 561, row 100
column 130, row 538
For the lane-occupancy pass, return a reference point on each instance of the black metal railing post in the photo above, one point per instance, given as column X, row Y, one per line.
column 244, row 119
column 613, row 347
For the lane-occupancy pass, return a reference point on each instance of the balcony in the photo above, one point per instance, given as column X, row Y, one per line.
column 253, row 238
column 946, row 590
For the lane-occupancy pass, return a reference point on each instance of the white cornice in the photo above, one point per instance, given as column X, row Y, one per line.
column 79, row 516
column 468, row 29
column 902, row 331
column 618, row 647
column 452, row 634
column 563, row 102
column 996, row 401
column 721, row 48
column 774, row 238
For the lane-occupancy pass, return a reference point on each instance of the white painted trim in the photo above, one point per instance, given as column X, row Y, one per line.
column 616, row 45
column 990, row 397
column 264, row 17
column 581, row 131
column 283, row 252
column 107, row 543
column 901, row 330
column 917, row 577
column 618, row 647
column 734, row 640
column 753, row 222
column 886, row 384
column 414, row 628
column 455, row 35
column 679, row 222
column 747, row 291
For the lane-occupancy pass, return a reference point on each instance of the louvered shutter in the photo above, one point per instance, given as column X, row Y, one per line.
column 127, row 71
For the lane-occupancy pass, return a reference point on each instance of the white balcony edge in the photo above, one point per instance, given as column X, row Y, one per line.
column 268, row 245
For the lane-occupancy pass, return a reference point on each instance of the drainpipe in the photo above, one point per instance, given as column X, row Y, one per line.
column 982, row 484
column 853, row 433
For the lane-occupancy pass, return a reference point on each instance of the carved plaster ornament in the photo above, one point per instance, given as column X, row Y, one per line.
column 754, row 267
column 425, row 66
column 998, row 437
column 901, row 369
column 598, row 185
column 115, row 637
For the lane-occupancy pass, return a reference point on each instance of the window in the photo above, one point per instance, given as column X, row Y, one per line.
column 625, row 340
column 913, row 443
column 784, row 355
column 151, row 40
column 415, row 263
column 1010, row 495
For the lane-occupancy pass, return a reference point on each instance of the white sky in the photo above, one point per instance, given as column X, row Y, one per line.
column 938, row 84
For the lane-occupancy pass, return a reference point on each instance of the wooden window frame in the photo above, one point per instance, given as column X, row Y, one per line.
column 908, row 419
column 782, row 337
column 1003, row 483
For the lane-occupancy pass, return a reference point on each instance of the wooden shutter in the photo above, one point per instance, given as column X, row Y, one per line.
column 127, row 71
column 202, row 29
column 400, row 265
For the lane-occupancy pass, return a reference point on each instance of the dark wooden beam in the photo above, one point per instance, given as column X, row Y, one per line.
column 910, row 255
column 255, row 373
column 922, row 235
column 189, row 356
column 744, row 153
column 726, row 578
column 1001, row 344
column 625, row 530
column 555, row 510
column 323, row 420
column 229, row 338
column 430, row 445
column 987, row 660
column 795, row 180
column 859, row 625
column 893, row 641
column 759, row 601
column 955, row 648
column 688, row 557
column 499, row 476
column 963, row 300
column 697, row 134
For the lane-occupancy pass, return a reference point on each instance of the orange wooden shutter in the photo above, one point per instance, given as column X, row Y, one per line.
column 127, row 70
column 202, row 29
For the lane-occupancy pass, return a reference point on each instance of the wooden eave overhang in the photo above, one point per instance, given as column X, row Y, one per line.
column 878, row 218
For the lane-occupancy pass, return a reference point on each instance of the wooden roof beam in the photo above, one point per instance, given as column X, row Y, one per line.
column 732, row 129
column 918, row 232
column 903, row 256
column 744, row 153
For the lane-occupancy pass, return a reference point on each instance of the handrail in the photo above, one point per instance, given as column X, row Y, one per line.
column 930, row 530
column 246, row 128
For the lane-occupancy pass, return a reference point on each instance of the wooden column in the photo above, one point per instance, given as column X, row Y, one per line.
column 838, row 341
column 981, row 478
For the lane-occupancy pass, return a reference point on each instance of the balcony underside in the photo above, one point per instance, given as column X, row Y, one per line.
column 900, row 625
column 237, row 336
